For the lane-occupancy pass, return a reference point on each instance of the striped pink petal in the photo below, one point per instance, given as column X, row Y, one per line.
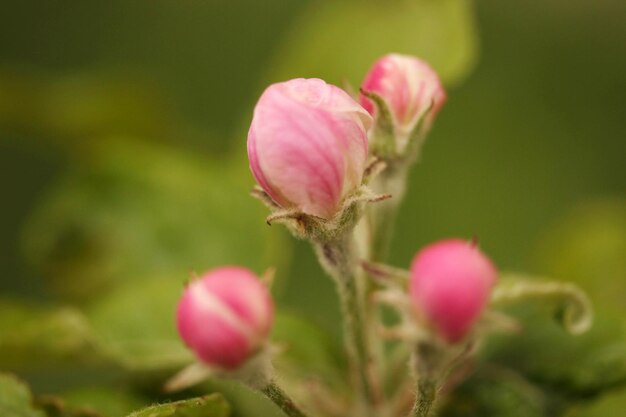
column 408, row 85
column 225, row 316
column 307, row 145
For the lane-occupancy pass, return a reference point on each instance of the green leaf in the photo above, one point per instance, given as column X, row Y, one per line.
column 587, row 247
column 87, row 104
column 212, row 405
column 611, row 405
column 570, row 367
column 141, row 210
column 339, row 40
column 132, row 327
column 496, row 393
column 31, row 336
column 244, row 401
column 309, row 352
column 56, row 407
column 110, row 402
column 16, row 399
column 135, row 324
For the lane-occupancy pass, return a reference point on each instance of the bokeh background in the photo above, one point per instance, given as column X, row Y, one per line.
column 123, row 167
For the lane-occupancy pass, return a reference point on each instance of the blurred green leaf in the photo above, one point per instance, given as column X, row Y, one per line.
column 496, row 393
column 124, row 234
column 243, row 401
column 135, row 324
column 56, row 407
column 309, row 352
column 31, row 336
column 212, row 405
column 138, row 210
column 610, row 405
column 16, row 399
column 130, row 329
column 75, row 107
column 110, row 402
column 588, row 247
column 570, row 367
column 339, row 40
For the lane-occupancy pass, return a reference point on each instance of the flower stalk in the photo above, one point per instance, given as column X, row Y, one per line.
column 338, row 257
column 282, row 400
column 382, row 216
column 427, row 361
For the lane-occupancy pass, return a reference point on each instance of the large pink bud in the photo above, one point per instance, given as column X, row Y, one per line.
column 307, row 145
column 450, row 285
column 225, row 316
column 408, row 85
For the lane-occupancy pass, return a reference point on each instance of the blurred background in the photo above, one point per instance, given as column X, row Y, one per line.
column 122, row 160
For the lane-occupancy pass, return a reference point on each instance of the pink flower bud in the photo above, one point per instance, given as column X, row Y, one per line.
column 307, row 145
column 450, row 285
column 225, row 316
column 408, row 85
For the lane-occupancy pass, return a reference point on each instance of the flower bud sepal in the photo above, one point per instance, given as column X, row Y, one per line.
column 318, row 229
column 398, row 151
column 388, row 142
column 256, row 372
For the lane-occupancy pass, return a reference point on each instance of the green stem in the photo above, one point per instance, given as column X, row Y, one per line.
column 340, row 261
column 282, row 400
column 383, row 214
column 426, row 392
column 428, row 360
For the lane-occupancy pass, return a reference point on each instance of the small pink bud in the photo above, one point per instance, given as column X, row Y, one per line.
column 408, row 85
column 225, row 316
column 450, row 284
column 307, row 145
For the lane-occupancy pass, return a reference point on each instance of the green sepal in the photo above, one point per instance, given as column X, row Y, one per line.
column 417, row 136
column 573, row 307
column 317, row 229
column 383, row 143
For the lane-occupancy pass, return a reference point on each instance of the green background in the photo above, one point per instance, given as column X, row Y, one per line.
column 123, row 128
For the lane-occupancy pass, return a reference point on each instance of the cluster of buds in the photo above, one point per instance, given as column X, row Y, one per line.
column 313, row 150
column 308, row 144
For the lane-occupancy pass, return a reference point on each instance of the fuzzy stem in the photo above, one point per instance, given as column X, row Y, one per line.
column 381, row 219
column 428, row 360
column 340, row 261
column 383, row 214
column 282, row 400
column 425, row 398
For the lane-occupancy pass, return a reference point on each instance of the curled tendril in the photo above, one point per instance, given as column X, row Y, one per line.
column 574, row 307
